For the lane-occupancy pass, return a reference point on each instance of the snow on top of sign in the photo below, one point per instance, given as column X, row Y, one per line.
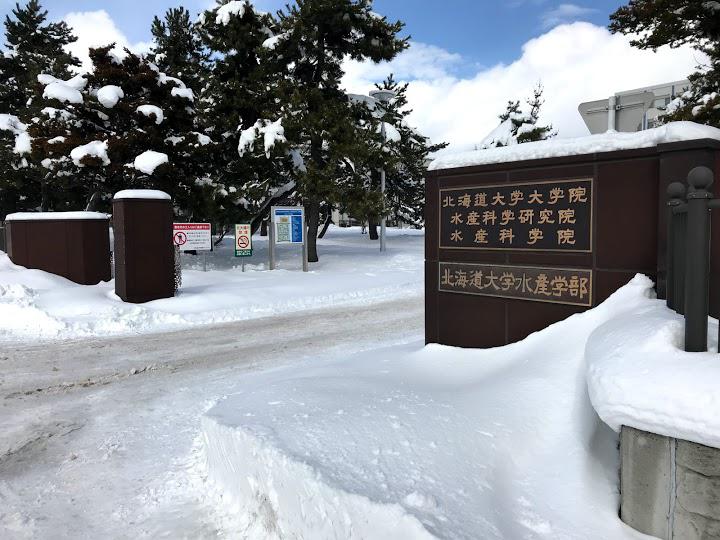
column 46, row 216
column 606, row 142
column 141, row 194
column 109, row 95
column 96, row 149
column 148, row 161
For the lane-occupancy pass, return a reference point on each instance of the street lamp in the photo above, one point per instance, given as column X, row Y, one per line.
column 383, row 97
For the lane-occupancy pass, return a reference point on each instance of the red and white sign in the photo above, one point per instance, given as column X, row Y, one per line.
column 192, row 236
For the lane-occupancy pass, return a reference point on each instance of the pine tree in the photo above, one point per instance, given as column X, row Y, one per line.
column 321, row 124
column 241, row 107
column 655, row 23
column 177, row 48
column 125, row 125
column 517, row 127
column 405, row 176
column 34, row 46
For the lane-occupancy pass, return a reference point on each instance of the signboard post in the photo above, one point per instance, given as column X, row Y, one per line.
column 243, row 242
column 287, row 226
column 193, row 237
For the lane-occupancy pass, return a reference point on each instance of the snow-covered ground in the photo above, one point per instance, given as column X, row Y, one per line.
column 412, row 442
column 38, row 305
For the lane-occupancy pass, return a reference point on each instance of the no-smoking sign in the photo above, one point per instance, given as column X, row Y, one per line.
column 243, row 240
column 180, row 239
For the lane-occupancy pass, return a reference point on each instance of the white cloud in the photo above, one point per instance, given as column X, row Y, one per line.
column 565, row 13
column 97, row 29
column 576, row 62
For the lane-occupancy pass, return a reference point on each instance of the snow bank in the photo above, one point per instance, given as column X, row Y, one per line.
column 46, row 216
column 97, row 149
column 148, row 161
column 606, row 142
column 348, row 274
column 109, row 95
column 640, row 376
column 495, row 444
column 141, row 194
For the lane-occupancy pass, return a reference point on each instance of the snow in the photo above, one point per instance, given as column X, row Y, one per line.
column 606, row 142
column 150, row 160
column 272, row 42
column 51, row 307
column 45, row 216
column 141, row 194
column 152, row 110
column 109, row 95
column 273, row 132
column 64, row 91
column 185, row 93
column 226, row 12
column 434, row 442
column 501, row 134
column 23, row 141
column 640, row 376
column 391, row 132
column 96, row 149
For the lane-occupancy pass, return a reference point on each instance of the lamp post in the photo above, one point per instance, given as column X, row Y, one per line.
column 383, row 97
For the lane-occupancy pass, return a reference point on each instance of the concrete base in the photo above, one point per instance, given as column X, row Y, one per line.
column 670, row 488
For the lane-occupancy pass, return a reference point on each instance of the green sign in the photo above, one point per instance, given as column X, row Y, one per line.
column 243, row 240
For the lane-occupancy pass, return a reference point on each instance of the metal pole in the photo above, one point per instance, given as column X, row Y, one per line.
column 204, row 261
column 306, row 267
column 697, row 273
column 676, row 194
column 612, row 111
column 272, row 239
column 382, row 192
column 680, row 250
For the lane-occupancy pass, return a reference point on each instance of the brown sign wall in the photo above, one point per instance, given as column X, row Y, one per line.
column 493, row 277
column 76, row 249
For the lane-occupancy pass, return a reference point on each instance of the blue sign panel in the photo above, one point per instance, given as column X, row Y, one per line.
column 289, row 226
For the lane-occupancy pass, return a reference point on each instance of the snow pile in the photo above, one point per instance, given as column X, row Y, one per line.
column 109, row 95
column 96, row 149
column 348, row 274
column 606, row 142
column 495, row 444
column 150, row 160
column 640, row 376
column 150, row 111
column 49, row 216
column 273, row 132
column 63, row 91
column 23, row 141
column 153, row 194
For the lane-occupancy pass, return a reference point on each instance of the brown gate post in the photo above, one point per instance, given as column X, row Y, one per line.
column 144, row 253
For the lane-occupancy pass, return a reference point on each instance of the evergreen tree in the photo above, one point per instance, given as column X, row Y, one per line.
column 241, row 107
column 177, row 48
column 34, row 46
column 320, row 123
column 654, row 23
column 410, row 150
column 125, row 125
column 517, row 127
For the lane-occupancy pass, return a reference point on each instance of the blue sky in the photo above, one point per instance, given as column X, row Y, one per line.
column 483, row 32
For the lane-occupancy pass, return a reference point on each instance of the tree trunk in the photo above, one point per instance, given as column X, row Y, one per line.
column 312, row 210
column 373, row 228
column 264, row 227
column 326, row 226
